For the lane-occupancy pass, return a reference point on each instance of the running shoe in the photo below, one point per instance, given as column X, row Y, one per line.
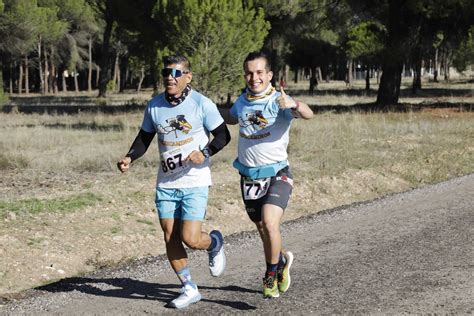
column 189, row 295
column 217, row 255
column 283, row 272
column 270, row 287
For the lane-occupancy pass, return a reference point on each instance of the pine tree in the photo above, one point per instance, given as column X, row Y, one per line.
column 216, row 36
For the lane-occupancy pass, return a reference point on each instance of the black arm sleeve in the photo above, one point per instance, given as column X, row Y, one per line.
column 221, row 138
column 140, row 144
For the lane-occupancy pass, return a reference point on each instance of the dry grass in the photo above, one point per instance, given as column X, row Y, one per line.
column 49, row 159
column 337, row 93
column 420, row 148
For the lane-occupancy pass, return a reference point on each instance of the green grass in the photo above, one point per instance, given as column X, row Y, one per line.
column 35, row 206
column 145, row 221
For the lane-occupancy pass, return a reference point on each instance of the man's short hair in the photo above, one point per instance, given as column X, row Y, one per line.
column 177, row 59
column 259, row 54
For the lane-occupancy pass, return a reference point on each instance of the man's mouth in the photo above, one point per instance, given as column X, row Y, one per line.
column 255, row 84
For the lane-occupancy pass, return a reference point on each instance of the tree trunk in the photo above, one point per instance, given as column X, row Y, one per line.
column 2, row 90
column 27, row 75
column 46, row 72
column 123, row 74
column 52, row 72
column 367, row 78
column 11, row 79
column 416, row 86
column 417, row 58
column 394, row 54
column 54, row 82
column 117, row 74
column 89, row 74
column 97, row 68
column 354, row 70
column 104, row 63
column 40, row 69
column 76, row 84
column 319, row 74
column 63, row 80
column 349, row 78
column 313, row 81
column 435, row 75
column 446, row 65
column 389, row 89
column 20, row 77
column 142, row 76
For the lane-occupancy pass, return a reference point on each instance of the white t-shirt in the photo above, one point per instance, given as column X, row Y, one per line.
column 181, row 129
column 264, row 130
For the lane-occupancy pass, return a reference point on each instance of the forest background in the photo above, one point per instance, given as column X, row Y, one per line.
column 49, row 46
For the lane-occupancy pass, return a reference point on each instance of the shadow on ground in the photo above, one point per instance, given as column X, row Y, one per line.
column 74, row 105
column 406, row 93
column 400, row 107
column 134, row 289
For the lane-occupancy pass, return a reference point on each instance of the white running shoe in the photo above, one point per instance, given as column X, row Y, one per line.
column 217, row 256
column 188, row 296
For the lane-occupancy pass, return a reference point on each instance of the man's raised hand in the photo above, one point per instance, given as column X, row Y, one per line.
column 284, row 101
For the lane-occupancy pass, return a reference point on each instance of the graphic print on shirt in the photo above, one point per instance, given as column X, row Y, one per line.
column 176, row 124
column 254, row 118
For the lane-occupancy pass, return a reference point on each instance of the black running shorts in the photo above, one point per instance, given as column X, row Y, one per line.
column 278, row 193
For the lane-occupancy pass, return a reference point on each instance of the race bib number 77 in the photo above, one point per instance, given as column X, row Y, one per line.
column 255, row 189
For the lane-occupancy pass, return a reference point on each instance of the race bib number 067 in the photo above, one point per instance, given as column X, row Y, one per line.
column 255, row 189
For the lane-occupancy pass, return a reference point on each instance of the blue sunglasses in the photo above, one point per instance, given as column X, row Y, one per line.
column 175, row 73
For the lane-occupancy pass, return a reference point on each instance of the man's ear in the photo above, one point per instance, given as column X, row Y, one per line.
column 189, row 77
column 270, row 74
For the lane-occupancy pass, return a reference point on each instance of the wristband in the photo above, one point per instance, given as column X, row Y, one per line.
column 296, row 107
column 205, row 151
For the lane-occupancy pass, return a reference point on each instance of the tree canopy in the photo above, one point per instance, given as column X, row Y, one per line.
column 48, row 43
column 216, row 36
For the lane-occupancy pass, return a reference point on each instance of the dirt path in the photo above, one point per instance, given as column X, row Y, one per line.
column 407, row 253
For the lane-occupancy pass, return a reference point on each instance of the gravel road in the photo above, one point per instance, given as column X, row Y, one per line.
column 406, row 253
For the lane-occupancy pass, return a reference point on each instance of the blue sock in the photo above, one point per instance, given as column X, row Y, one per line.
column 271, row 269
column 185, row 277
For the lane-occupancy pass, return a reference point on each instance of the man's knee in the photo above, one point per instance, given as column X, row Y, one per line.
column 170, row 231
column 192, row 241
column 271, row 226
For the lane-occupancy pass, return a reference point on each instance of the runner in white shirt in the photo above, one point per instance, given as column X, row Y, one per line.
column 183, row 119
column 264, row 116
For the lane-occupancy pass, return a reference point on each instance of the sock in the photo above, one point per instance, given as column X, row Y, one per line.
column 185, row 277
column 271, row 269
column 281, row 260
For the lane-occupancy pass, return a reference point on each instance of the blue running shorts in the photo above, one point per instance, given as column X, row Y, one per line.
column 185, row 204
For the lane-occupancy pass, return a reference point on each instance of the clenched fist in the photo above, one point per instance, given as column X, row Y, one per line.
column 196, row 157
column 124, row 164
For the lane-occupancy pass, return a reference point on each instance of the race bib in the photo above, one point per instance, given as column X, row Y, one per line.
column 173, row 162
column 255, row 189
